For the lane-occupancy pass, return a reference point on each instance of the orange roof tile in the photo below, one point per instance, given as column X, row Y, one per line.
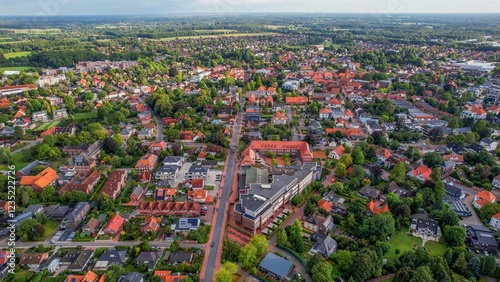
column 325, row 205
column 297, row 100
column 378, row 207
column 115, row 223
column 41, row 180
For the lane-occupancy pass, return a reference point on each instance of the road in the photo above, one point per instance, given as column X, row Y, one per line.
column 31, row 143
column 218, row 226
column 159, row 123
column 99, row 244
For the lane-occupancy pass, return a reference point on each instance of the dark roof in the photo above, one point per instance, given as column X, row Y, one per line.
column 113, row 256
column 180, row 257
column 148, row 256
column 276, row 265
column 132, row 277
column 326, row 246
column 452, row 190
column 78, row 259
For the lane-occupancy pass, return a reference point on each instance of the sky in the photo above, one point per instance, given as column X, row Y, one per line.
column 38, row 8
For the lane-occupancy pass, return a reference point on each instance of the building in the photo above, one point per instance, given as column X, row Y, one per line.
column 76, row 260
column 293, row 148
column 157, row 147
column 149, row 258
column 109, row 258
column 482, row 198
column 369, row 192
column 425, row 227
column 168, row 276
column 185, row 209
column 115, row 183
column 481, row 238
column 259, row 201
column 89, row 276
column 495, row 221
column 114, row 226
column 422, row 173
column 279, row 118
column 474, row 113
column 377, row 207
column 496, row 182
column 147, row 163
column 325, row 247
column 184, row 225
column 179, row 257
column 83, row 183
column 45, row 178
column 33, row 260
column 168, row 172
column 318, row 223
column 91, row 227
column 173, row 161
column 80, row 164
column 337, row 152
column 132, row 277
column 277, row 267
column 73, row 219
column 16, row 89
column 151, row 225
column 197, row 172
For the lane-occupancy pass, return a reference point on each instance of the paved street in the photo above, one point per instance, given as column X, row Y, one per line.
column 99, row 244
column 213, row 258
column 290, row 118
column 159, row 124
column 31, row 143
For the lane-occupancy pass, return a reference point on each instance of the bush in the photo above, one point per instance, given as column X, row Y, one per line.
column 293, row 253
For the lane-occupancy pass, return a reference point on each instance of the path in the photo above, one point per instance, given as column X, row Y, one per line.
column 31, row 143
column 159, row 123
column 298, row 265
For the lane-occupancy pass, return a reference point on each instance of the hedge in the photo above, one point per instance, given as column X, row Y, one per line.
column 293, row 253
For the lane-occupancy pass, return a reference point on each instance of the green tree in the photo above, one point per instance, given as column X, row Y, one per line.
column 454, row 235
column 346, row 159
column 344, row 260
column 248, row 257
column 5, row 155
column 378, row 227
column 174, row 246
column 398, row 173
column 340, row 171
column 358, row 157
column 296, row 240
column 225, row 274
column 261, row 244
column 314, row 260
column 460, row 264
column 474, row 265
column 403, row 275
column 18, row 132
column 488, row 265
column 282, row 238
column 321, row 272
column 422, row 274
column 433, row 160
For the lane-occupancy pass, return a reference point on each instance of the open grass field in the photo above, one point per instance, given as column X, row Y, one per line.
column 33, row 31
column 50, row 226
column 16, row 54
column 17, row 159
column 46, row 126
column 58, row 163
column 216, row 36
column 435, row 248
column 215, row 30
column 404, row 242
column 89, row 115
column 12, row 42
column 14, row 68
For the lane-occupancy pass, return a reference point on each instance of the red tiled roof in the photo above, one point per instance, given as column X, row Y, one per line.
column 378, row 207
column 297, row 100
column 115, row 223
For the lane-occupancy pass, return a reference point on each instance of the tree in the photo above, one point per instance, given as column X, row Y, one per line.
column 433, row 160
column 474, row 265
column 398, row 173
column 261, row 244
column 110, row 146
column 346, row 159
column 248, row 257
column 295, row 237
column 422, row 274
column 314, row 260
column 358, row 157
column 453, row 122
column 174, row 246
column 344, row 260
column 225, row 274
column 365, row 263
column 18, row 132
column 489, row 209
column 321, row 272
column 436, row 134
column 488, row 265
column 436, row 174
column 378, row 227
column 5, row 155
column 403, row 275
column 454, row 235
column 340, row 171
column 311, row 139
column 460, row 264
column 282, row 238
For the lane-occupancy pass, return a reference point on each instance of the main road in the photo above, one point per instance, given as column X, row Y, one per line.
column 159, row 123
column 99, row 244
column 218, row 226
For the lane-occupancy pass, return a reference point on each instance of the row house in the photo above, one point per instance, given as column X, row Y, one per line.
column 185, row 209
column 82, row 183
column 40, row 116
column 147, row 163
column 115, row 183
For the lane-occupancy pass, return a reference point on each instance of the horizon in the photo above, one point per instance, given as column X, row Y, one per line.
column 214, row 7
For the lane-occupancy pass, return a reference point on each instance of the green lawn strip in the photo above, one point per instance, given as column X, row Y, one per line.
column 88, row 115
column 50, row 227
column 404, row 242
column 16, row 54
column 14, row 68
column 46, row 126
column 435, row 248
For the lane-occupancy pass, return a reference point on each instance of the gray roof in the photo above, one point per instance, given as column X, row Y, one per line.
column 77, row 210
column 167, row 169
column 172, row 159
column 27, row 169
column 148, row 256
column 256, row 176
column 132, row 277
column 138, row 191
column 197, row 169
column 276, row 265
column 113, row 256
column 180, row 257
column 326, row 247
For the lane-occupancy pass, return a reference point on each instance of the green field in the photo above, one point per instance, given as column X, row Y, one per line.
column 33, row 31
column 50, row 226
column 12, row 42
column 14, row 68
column 46, row 126
column 58, row 163
column 404, row 242
column 435, row 248
column 216, row 36
column 16, row 54
column 215, row 30
column 89, row 115
column 17, row 159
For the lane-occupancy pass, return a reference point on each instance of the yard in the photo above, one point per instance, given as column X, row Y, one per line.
column 20, row 273
column 435, row 248
column 46, row 126
column 16, row 54
column 402, row 242
column 50, row 227
column 13, row 68
column 58, row 163
column 88, row 115
column 17, row 160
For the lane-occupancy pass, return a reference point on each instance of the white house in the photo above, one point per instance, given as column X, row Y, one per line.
column 495, row 221
column 496, row 182
column 474, row 113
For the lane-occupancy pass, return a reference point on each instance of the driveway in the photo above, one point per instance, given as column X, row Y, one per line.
column 298, row 265
column 474, row 219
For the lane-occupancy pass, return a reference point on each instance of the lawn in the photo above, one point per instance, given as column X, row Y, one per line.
column 14, row 68
column 16, row 54
column 46, row 126
column 17, row 160
column 209, row 187
column 58, row 163
column 50, row 227
column 435, row 248
column 404, row 242
column 88, row 115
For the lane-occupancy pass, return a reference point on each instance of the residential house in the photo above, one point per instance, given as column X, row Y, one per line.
column 80, row 164
column 83, row 183
column 184, row 225
column 149, row 258
column 41, row 116
column 109, row 258
column 422, row 173
column 383, row 154
column 146, row 133
column 278, row 267
column 91, row 227
column 151, row 225
column 166, row 172
column 453, row 191
column 126, row 133
column 169, row 209
column 496, row 182
column 318, row 223
column 280, row 118
column 45, row 178
column 489, row 144
column 89, row 276
column 325, row 113
column 76, row 260
column 369, row 192
column 180, row 257
column 337, row 152
column 147, row 163
column 157, row 147
column 301, row 100
column 132, row 277
column 165, row 194
column 325, row 205
column 173, row 160
column 483, row 197
column 325, row 247
column 481, row 238
column 495, row 221
column 372, row 126
column 474, row 113
column 377, row 207
column 425, row 227
column 73, row 219
column 196, row 172
column 455, row 158
column 168, row 276
column 33, row 260
column 60, row 114
column 137, row 194
column 114, row 226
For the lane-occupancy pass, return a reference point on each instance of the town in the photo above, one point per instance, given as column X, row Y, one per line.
column 256, row 150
